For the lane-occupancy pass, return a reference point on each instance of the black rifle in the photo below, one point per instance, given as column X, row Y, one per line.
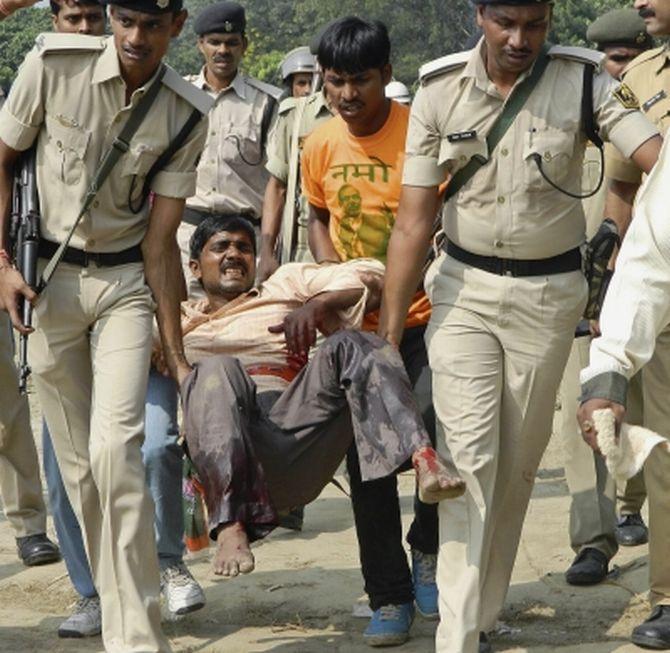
column 25, row 234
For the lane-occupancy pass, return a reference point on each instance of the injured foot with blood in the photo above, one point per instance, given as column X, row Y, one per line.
column 233, row 555
column 434, row 480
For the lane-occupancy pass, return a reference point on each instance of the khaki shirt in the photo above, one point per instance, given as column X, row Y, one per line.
column 73, row 103
column 648, row 76
column 508, row 210
column 281, row 155
column 317, row 110
column 231, row 172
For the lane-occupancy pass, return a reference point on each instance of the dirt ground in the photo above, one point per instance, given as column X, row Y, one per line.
column 301, row 597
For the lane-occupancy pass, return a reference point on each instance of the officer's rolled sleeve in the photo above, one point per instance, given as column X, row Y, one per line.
column 422, row 171
column 421, row 166
column 619, row 168
column 278, row 169
column 629, row 133
column 178, row 178
column 621, row 124
column 23, row 112
column 180, row 185
column 15, row 133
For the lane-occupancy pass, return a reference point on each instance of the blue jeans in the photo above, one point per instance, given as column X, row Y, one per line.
column 163, row 462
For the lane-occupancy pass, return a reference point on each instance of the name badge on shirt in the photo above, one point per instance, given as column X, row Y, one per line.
column 457, row 137
column 654, row 100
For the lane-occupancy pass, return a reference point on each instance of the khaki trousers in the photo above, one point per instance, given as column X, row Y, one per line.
column 655, row 386
column 91, row 362
column 20, row 484
column 497, row 347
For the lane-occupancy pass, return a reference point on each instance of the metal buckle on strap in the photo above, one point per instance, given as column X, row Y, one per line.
column 121, row 145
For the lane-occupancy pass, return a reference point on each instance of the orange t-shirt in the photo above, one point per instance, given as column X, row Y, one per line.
column 357, row 179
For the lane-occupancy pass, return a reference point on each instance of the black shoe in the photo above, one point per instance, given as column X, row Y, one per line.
column 588, row 568
column 484, row 644
column 631, row 530
column 655, row 632
column 37, row 550
column 293, row 519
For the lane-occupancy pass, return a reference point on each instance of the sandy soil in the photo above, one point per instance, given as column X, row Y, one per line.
column 300, row 598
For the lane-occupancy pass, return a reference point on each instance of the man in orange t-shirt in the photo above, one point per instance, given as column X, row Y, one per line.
column 351, row 172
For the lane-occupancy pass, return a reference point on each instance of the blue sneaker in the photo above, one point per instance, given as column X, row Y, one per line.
column 424, row 568
column 389, row 625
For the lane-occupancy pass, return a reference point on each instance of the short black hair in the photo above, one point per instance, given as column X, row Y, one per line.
column 352, row 45
column 215, row 224
column 56, row 6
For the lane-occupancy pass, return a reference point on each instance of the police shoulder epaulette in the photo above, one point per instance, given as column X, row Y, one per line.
column 575, row 53
column 268, row 89
column 54, row 42
column 287, row 104
column 202, row 101
column 444, row 64
column 645, row 56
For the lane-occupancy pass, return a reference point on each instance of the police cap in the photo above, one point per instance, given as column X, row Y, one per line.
column 147, row 6
column 221, row 18
column 623, row 27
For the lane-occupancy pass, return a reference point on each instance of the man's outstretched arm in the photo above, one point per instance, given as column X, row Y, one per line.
column 637, row 306
column 406, row 256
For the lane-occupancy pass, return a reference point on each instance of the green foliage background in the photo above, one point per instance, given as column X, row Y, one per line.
column 421, row 30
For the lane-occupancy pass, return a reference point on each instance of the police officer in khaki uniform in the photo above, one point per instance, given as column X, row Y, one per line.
column 231, row 173
column 298, row 117
column 90, row 350
column 648, row 77
column 297, row 71
column 20, row 485
column 508, row 292
column 620, row 34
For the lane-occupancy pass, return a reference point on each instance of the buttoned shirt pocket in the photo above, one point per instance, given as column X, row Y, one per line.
column 553, row 150
column 66, row 147
column 241, row 146
column 136, row 164
column 457, row 154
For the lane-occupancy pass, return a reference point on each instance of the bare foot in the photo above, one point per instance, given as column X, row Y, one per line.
column 233, row 556
column 433, row 478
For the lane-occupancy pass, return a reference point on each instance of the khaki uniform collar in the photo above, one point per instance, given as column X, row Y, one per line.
column 108, row 67
column 238, row 84
column 665, row 58
column 475, row 69
column 322, row 103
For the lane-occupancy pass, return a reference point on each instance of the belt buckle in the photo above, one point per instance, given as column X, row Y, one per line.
column 505, row 267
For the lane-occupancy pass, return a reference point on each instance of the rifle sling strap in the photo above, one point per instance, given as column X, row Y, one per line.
column 503, row 122
column 119, row 147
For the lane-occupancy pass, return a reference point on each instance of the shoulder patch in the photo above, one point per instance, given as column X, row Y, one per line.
column 287, row 104
column 444, row 65
column 268, row 89
column 647, row 55
column 574, row 53
column 52, row 42
column 193, row 95
column 626, row 97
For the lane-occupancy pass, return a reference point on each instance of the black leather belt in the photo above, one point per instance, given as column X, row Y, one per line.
column 195, row 216
column 567, row 262
column 81, row 258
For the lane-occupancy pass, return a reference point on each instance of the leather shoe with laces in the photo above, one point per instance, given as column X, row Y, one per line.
column 588, row 568
column 37, row 550
column 631, row 530
column 654, row 633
